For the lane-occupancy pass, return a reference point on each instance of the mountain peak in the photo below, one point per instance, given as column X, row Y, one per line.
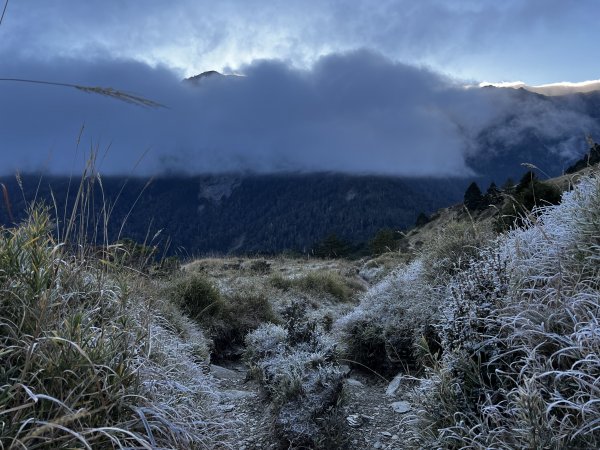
column 208, row 74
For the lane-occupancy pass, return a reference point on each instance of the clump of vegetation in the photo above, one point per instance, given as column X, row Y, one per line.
column 453, row 248
column 474, row 200
column 226, row 318
column 260, row 266
column 392, row 318
column 77, row 364
column 528, row 194
column 422, row 219
column 328, row 283
column 519, row 337
column 332, row 247
column 197, row 296
column 590, row 159
column 385, row 240
column 298, row 369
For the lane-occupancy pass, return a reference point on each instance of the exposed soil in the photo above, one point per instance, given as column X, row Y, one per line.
column 370, row 420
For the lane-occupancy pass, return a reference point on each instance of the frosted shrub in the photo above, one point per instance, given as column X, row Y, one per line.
column 266, row 341
column 392, row 316
column 297, row 367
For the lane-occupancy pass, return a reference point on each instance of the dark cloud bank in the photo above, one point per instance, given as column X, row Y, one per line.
column 357, row 112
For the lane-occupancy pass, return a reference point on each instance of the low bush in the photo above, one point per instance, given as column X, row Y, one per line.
column 321, row 283
column 225, row 318
column 529, row 194
column 298, row 369
column 392, row 317
column 241, row 313
column 197, row 296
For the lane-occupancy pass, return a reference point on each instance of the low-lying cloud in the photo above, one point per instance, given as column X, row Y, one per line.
column 355, row 112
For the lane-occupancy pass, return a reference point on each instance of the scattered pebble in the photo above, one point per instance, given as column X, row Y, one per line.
column 354, row 420
column 354, row 382
column 401, row 407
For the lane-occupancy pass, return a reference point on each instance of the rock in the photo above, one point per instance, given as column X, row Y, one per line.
column 386, row 433
column 224, row 374
column 394, row 385
column 378, row 445
column 401, row 407
column 354, row 382
column 345, row 369
column 237, row 395
column 227, row 408
column 395, row 437
column 354, row 420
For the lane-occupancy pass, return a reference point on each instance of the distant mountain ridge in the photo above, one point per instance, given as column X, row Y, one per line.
column 550, row 89
column 249, row 214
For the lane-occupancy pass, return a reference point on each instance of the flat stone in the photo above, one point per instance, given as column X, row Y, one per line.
column 401, row 407
column 394, row 385
column 236, row 395
column 354, row 420
column 223, row 373
column 354, row 382
column 386, row 433
column 378, row 445
column 345, row 369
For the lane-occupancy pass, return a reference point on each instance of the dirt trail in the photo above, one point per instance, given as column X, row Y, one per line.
column 371, row 420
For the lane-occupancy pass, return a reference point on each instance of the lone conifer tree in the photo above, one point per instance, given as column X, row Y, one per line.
column 473, row 198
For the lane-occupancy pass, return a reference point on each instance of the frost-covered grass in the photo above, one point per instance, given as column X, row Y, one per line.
column 392, row 318
column 88, row 362
column 504, row 331
column 328, row 283
column 521, row 339
column 225, row 317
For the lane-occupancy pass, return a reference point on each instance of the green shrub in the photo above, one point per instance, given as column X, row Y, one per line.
column 385, row 240
column 241, row 314
column 197, row 296
column 529, row 194
column 225, row 318
column 323, row 283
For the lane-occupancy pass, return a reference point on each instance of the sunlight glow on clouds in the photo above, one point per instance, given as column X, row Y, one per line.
column 537, row 41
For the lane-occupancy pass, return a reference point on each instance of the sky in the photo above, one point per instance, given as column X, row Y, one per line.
column 340, row 85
